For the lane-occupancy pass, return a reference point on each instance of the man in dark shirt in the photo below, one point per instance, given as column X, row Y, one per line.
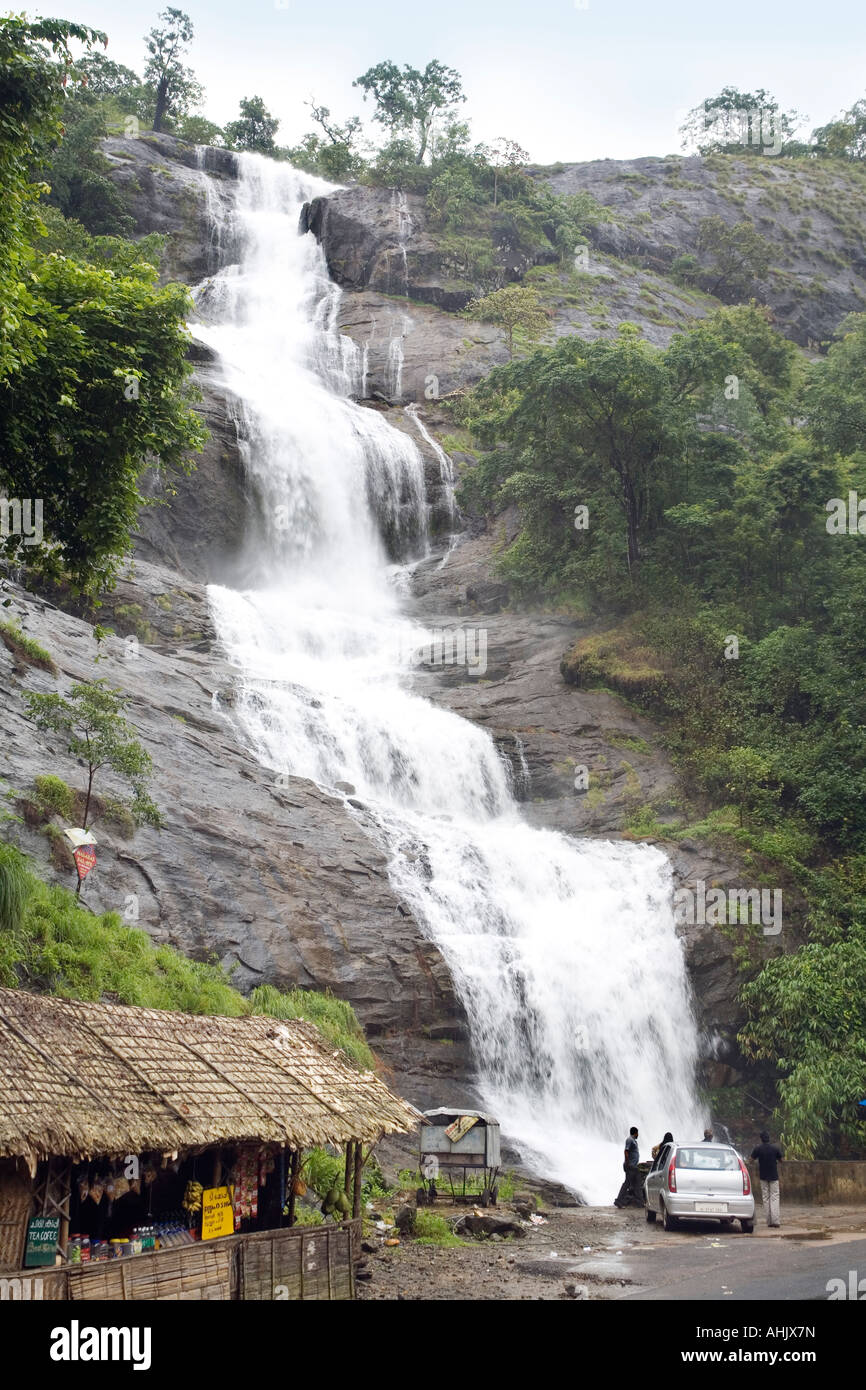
column 768, row 1156
column 630, row 1190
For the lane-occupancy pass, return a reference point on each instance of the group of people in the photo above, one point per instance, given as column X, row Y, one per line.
column 766, row 1154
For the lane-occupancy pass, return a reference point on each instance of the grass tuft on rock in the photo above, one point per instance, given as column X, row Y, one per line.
column 25, row 648
column 55, row 796
column 333, row 1017
column 617, row 660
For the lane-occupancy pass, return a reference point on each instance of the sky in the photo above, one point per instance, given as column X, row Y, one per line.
column 568, row 79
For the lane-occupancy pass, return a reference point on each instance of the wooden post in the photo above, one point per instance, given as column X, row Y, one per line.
column 294, row 1169
column 359, row 1177
column 347, row 1185
column 54, row 1195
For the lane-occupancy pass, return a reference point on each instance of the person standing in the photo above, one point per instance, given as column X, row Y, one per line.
column 629, row 1192
column 657, row 1148
column 768, row 1156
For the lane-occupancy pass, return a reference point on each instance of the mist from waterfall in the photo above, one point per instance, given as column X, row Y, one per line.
column 563, row 952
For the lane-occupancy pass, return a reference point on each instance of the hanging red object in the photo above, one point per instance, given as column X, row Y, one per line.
column 85, row 859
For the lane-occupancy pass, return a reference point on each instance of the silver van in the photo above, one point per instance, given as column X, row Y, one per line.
column 700, row 1182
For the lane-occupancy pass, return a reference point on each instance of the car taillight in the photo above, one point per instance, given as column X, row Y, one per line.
column 672, row 1175
column 747, row 1185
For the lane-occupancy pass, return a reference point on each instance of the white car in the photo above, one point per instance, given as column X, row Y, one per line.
column 700, row 1182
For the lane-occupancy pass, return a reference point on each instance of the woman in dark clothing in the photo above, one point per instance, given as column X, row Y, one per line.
column 668, row 1139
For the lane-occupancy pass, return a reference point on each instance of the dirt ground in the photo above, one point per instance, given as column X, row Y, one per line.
column 584, row 1253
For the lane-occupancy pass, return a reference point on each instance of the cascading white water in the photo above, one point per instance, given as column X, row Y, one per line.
column 446, row 467
column 564, row 953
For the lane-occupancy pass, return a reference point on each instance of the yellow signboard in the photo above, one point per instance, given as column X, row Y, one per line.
column 217, row 1216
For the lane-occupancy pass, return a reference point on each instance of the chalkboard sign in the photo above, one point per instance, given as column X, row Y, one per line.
column 43, row 1236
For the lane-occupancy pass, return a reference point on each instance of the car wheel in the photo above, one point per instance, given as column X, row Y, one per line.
column 650, row 1214
column 747, row 1227
column 670, row 1222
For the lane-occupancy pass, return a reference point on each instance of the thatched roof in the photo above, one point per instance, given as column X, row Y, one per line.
column 82, row 1080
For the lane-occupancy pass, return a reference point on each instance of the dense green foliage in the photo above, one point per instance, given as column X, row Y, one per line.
column 712, row 542
column 34, row 57
column 335, row 153
column 93, row 369
column 844, row 138
column 14, row 884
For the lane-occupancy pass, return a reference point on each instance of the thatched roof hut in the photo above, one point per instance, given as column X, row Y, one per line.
column 83, row 1080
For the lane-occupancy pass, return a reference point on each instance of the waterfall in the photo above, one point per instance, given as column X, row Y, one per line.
column 446, row 466
column 394, row 364
column 563, row 952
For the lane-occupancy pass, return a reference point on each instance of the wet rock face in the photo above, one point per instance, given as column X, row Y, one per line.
column 280, row 882
column 402, row 296
column 165, row 192
column 195, row 523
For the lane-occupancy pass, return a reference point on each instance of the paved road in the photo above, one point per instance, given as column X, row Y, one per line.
column 708, row 1265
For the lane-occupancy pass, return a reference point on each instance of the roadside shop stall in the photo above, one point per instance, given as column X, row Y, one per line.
column 150, row 1155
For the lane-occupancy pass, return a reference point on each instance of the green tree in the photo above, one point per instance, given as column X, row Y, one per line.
column 92, row 723
column 172, row 87
column 735, row 122
column 748, row 774
column 336, row 153
column 504, row 154
column 34, row 60
column 836, row 394
column 846, row 137
column 77, row 171
column 408, row 101
column 452, row 192
column 616, row 425
column 738, row 256
column 198, row 130
column 101, row 77
column 516, row 309
column 255, row 129
column 807, row 1018
column 105, row 393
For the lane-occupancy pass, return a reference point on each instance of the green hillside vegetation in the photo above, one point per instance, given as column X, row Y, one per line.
column 50, row 944
column 727, row 595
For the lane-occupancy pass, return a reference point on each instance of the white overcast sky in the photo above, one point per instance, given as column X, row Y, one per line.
column 612, row 79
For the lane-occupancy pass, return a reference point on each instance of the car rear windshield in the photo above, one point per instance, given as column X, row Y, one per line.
column 710, row 1160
